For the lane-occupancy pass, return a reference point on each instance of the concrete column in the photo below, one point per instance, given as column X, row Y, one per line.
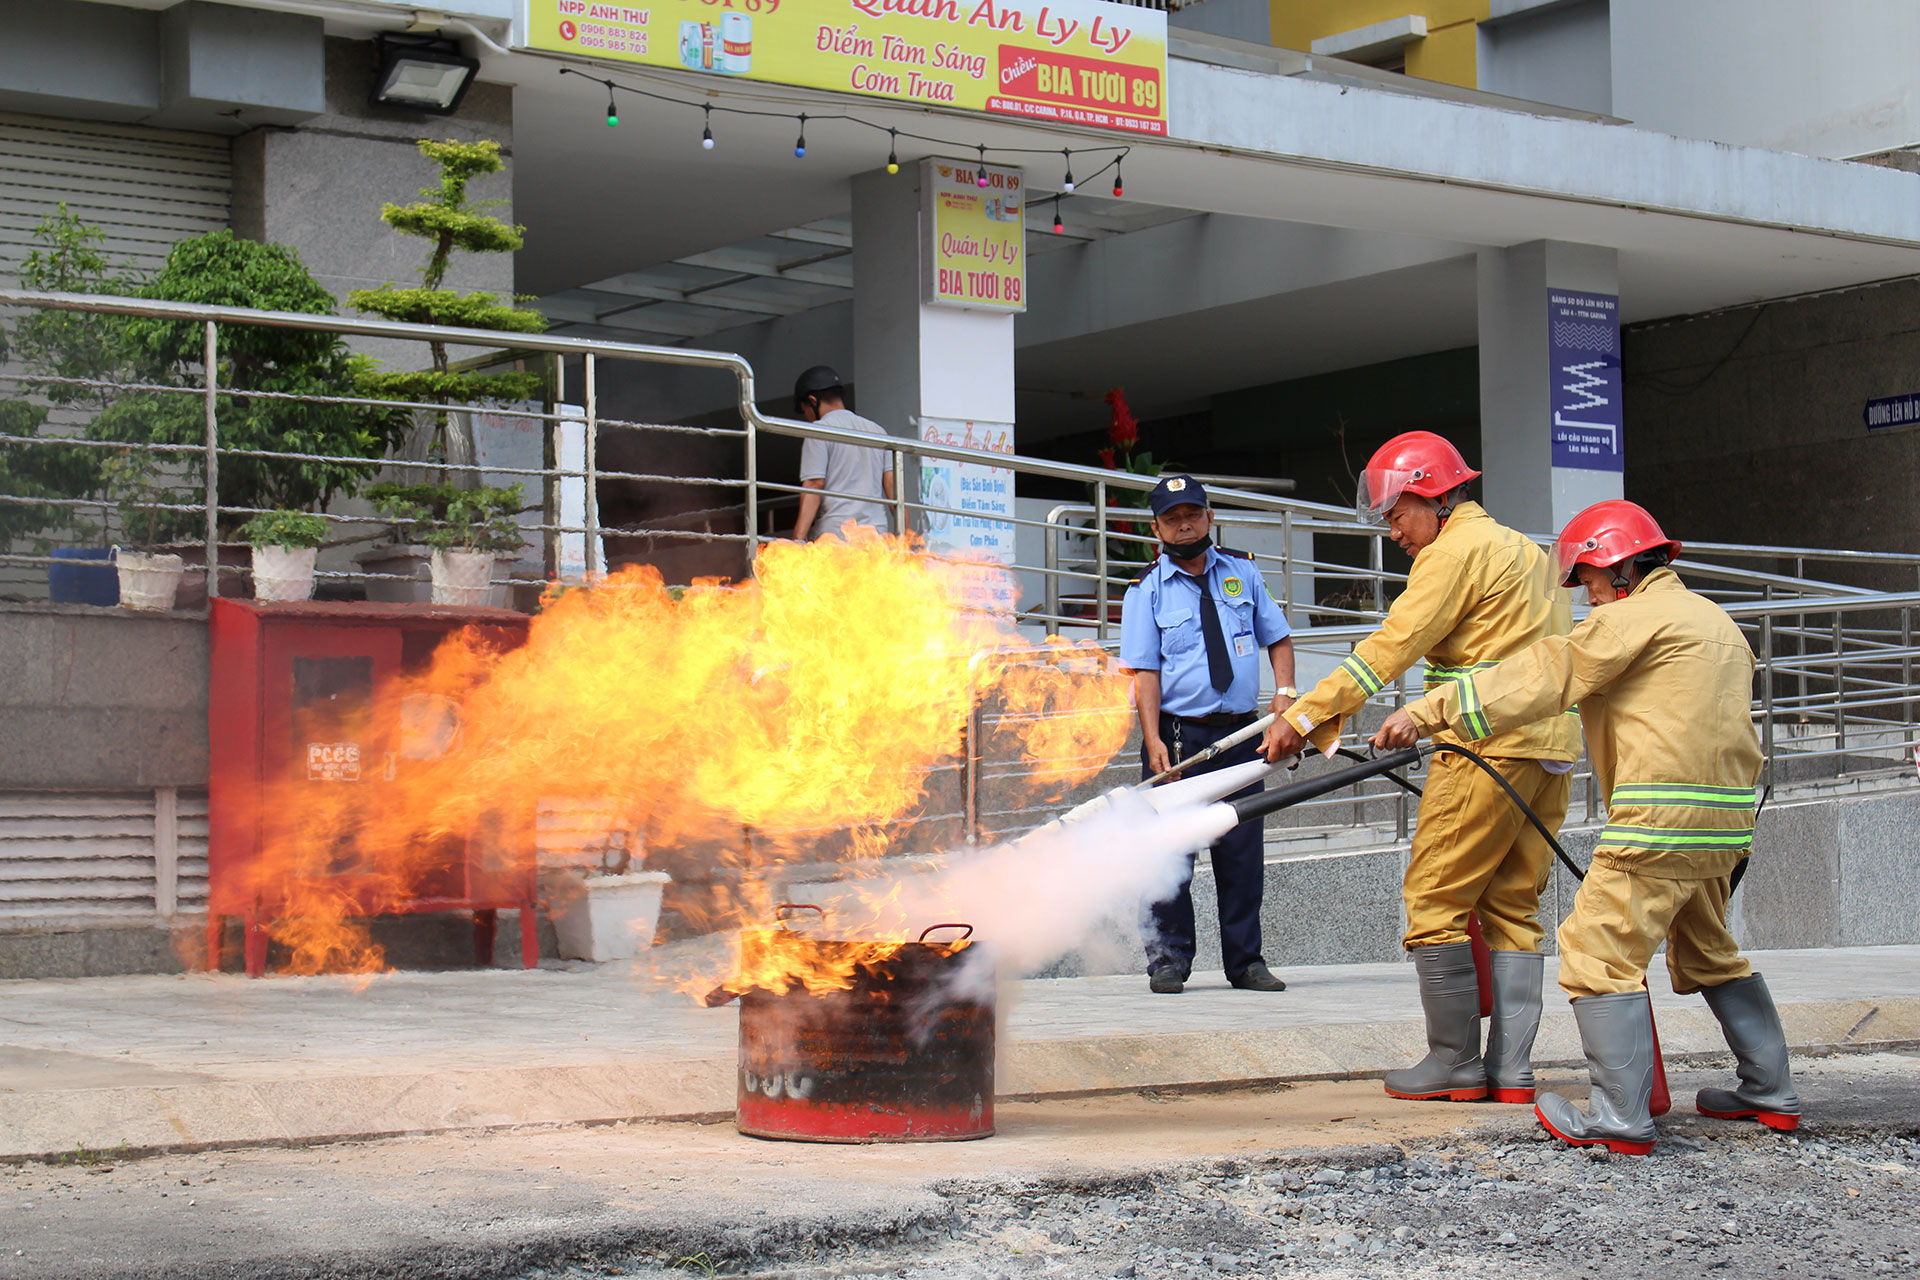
column 910, row 360
column 1550, row 408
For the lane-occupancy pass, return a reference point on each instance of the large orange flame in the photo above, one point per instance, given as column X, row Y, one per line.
column 815, row 696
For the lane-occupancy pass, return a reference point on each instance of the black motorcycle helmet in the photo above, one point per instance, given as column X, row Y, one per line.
column 818, row 381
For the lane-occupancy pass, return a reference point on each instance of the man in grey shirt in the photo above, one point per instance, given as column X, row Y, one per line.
column 818, row 396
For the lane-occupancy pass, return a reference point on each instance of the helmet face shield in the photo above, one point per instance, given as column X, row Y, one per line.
column 1571, row 552
column 1379, row 489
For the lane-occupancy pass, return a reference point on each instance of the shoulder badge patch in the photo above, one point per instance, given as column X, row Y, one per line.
column 1233, row 586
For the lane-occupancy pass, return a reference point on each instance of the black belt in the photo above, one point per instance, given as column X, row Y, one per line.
column 1217, row 720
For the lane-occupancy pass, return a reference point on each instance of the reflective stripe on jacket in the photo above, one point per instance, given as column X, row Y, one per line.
column 1664, row 680
column 1476, row 594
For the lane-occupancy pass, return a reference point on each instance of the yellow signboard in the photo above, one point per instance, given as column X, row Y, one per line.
column 975, row 253
column 1084, row 62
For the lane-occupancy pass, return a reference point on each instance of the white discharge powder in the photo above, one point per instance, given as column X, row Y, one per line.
column 1034, row 900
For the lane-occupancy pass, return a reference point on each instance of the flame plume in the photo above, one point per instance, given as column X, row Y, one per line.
column 816, row 695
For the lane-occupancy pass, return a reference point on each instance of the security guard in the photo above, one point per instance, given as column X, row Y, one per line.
column 1478, row 592
column 1191, row 629
column 1663, row 679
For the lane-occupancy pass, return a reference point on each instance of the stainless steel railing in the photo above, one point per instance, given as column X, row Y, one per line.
column 1836, row 692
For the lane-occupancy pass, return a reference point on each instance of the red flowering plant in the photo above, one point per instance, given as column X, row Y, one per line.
column 1123, row 437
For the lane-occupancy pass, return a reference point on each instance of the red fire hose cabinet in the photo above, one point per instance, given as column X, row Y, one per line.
column 311, row 695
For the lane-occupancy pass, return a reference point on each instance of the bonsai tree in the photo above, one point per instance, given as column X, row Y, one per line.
column 219, row 270
column 449, row 219
column 447, row 517
column 74, row 354
column 290, row 529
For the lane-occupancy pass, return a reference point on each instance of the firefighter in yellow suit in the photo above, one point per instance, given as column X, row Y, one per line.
column 1663, row 679
column 1478, row 592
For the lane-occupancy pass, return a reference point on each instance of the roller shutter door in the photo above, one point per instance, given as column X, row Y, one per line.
column 145, row 188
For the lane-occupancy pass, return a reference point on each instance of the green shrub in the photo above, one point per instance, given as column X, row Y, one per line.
column 62, row 352
column 218, row 270
column 285, row 529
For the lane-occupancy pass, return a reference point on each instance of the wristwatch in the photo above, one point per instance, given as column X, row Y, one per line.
column 1287, row 691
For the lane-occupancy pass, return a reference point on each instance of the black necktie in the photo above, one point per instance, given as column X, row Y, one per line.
column 1219, row 661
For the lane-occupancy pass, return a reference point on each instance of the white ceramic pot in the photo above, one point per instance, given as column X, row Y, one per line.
column 463, row 578
column 147, row 580
column 610, row 917
column 283, row 573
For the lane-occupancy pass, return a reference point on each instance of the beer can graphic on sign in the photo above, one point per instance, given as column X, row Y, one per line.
column 736, row 43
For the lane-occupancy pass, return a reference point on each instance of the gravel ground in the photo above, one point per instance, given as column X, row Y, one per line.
column 1715, row 1197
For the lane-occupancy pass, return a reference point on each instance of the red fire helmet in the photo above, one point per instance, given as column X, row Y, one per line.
column 1605, row 534
column 1412, row 462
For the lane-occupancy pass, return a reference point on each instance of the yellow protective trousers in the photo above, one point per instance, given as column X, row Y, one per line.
column 1474, row 851
column 1620, row 917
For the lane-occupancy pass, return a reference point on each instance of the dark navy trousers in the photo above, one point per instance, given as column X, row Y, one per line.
column 1239, row 865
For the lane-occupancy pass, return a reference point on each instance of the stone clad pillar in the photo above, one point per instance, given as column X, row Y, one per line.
column 1550, row 403
column 912, row 360
column 930, row 372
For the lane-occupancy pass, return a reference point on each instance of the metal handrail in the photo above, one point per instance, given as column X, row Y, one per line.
column 1842, row 672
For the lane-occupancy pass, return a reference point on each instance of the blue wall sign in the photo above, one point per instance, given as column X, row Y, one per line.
column 1583, row 350
column 1892, row 411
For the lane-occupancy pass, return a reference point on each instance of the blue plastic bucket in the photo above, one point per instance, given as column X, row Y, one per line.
column 91, row 581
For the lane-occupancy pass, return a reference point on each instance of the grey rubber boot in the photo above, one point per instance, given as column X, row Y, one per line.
column 1616, row 1031
column 1450, row 995
column 1759, row 1043
column 1516, row 1020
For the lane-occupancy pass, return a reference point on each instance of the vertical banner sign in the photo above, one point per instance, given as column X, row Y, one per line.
column 1084, row 62
column 974, row 254
column 969, row 506
column 1583, row 349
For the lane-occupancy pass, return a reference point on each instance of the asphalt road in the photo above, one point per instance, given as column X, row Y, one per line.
column 1327, row 1180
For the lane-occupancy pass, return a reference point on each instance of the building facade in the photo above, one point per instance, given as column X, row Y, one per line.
column 1610, row 247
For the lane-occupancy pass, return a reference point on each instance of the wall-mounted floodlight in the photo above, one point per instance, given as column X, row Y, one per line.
column 422, row 73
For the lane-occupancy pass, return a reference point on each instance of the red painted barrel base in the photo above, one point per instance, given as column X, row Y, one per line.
column 790, row 1122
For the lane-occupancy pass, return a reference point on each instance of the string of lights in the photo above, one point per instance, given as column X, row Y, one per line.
column 1116, row 152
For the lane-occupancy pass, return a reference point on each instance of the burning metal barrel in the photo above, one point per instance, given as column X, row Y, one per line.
column 867, row 1042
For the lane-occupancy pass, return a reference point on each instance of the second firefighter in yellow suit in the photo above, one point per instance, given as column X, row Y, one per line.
column 1664, row 680
column 1478, row 592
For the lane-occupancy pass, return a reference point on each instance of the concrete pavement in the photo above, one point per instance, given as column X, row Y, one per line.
column 193, row 1061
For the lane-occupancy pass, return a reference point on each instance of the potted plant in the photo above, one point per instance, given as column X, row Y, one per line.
column 1129, row 542
column 302, row 373
column 151, row 516
column 603, row 904
column 467, row 531
column 285, row 544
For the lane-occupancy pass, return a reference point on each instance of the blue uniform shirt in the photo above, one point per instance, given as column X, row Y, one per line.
column 1160, row 631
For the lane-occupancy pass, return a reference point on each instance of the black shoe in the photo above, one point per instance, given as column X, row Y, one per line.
column 1257, row 977
column 1166, row 982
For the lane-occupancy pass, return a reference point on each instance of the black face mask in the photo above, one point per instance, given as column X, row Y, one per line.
column 1189, row 550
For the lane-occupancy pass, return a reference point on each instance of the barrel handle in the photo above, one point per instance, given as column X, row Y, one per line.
column 780, row 911
column 954, row 924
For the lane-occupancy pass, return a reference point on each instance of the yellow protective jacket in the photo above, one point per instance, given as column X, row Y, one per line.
column 1664, row 680
column 1477, row 594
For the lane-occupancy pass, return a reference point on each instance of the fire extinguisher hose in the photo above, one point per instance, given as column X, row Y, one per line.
column 1383, row 766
